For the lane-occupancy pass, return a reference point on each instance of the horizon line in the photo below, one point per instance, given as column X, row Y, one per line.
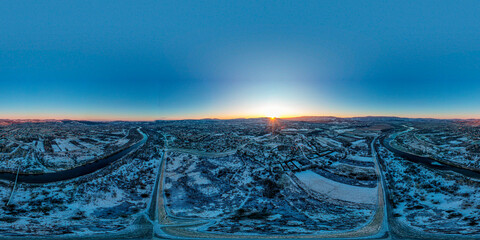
column 234, row 118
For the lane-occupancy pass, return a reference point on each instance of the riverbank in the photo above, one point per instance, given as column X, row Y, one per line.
column 74, row 172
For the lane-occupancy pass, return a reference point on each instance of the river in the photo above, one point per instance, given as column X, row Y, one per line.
column 429, row 162
column 74, row 172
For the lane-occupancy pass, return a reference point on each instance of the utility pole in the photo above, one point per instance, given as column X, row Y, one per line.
column 14, row 185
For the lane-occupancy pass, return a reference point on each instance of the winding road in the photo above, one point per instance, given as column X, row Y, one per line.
column 168, row 226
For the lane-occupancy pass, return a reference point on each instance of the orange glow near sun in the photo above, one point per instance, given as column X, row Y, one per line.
column 273, row 111
column 272, row 115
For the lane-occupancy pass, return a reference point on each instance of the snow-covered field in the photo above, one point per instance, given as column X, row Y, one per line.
column 48, row 147
column 243, row 177
column 324, row 141
column 432, row 201
column 360, row 158
column 242, row 197
column 106, row 201
column 336, row 190
column 451, row 144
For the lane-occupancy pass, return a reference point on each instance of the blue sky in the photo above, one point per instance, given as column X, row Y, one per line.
column 194, row 59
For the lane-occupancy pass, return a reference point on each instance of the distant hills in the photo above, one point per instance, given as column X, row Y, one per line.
column 318, row 119
column 365, row 119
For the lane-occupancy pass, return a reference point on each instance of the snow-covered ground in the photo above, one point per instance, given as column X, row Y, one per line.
column 336, row 190
column 241, row 176
column 102, row 202
column 432, row 201
column 360, row 158
column 243, row 197
column 325, row 141
column 51, row 147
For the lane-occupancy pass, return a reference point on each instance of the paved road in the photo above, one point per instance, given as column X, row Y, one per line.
column 168, row 226
column 399, row 230
column 382, row 192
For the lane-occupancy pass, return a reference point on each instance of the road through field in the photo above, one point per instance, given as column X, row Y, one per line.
column 168, row 226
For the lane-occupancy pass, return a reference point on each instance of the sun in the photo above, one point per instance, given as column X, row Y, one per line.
column 272, row 115
column 272, row 111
